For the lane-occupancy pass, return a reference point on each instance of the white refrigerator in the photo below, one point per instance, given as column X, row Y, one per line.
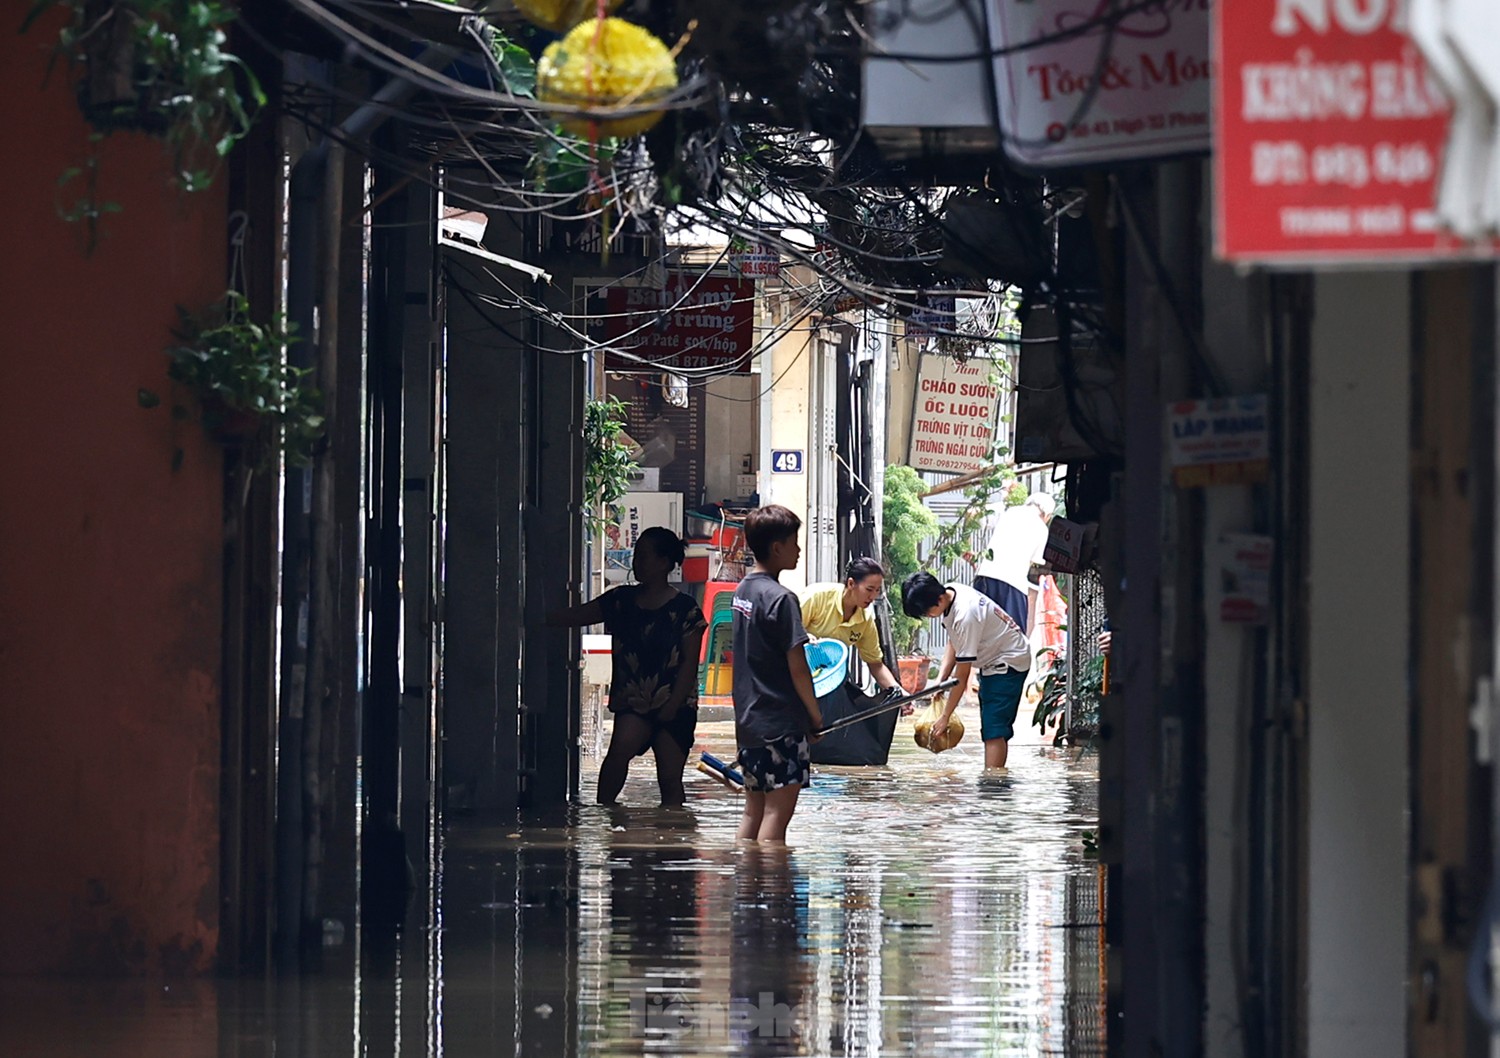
column 634, row 513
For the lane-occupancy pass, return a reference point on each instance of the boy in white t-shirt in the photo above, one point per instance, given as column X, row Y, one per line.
column 983, row 637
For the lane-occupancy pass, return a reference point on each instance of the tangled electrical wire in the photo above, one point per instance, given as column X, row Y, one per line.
column 761, row 141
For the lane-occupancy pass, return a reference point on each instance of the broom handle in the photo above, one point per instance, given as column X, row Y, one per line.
column 885, row 707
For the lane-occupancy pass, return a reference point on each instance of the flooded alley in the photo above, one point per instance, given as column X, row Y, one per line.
column 922, row 910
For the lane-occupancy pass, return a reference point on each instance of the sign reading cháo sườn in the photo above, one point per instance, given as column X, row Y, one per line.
column 954, row 412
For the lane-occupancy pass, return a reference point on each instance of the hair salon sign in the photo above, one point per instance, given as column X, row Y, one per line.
column 1078, row 83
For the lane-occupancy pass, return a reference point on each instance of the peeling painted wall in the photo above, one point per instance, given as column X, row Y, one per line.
column 110, row 560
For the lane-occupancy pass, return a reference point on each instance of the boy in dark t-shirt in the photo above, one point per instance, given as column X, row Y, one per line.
column 775, row 709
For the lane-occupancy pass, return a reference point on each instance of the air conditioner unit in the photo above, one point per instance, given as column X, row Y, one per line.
column 914, row 108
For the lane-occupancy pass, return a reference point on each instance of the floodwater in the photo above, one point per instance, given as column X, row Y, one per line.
column 922, row 909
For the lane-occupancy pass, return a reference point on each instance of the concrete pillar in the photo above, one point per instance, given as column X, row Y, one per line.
column 730, row 429
column 1357, row 708
column 901, row 390
column 482, row 592
column 553, row 522
column 788, row 366
column 1231, row 308
column 419, row 511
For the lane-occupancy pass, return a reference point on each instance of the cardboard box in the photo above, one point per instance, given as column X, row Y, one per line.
column 644, row 479
column 1066, row 545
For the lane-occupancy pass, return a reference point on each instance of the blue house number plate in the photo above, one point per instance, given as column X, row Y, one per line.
column 786, row 460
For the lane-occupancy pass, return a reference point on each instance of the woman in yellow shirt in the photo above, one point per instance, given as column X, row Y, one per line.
column 839, row 611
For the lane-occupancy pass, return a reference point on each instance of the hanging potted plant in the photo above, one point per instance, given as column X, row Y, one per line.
column 905, row 524
column 237, row 369
column 160, row 67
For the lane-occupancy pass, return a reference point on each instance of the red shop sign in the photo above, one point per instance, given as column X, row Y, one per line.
column 1328, row 135
column 693, row 321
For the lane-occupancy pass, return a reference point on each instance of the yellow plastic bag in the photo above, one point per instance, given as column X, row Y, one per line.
column 929, row 716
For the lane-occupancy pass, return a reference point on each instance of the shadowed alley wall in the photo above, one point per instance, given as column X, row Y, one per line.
column 110, row 561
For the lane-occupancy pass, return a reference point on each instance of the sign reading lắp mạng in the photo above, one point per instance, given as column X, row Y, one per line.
column 953, row 415
column 1223, row 441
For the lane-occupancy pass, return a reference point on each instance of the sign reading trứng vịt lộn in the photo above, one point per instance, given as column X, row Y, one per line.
column 954, row 414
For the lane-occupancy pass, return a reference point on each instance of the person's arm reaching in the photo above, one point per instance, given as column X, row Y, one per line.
column 590, row 613
column 796, row 661
column 883, row 678
column 954, row 697
column 958, row 662
column 949, row 659
column 869, row 652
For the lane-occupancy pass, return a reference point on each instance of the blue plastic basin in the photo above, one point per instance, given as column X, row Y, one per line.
column 829, row 661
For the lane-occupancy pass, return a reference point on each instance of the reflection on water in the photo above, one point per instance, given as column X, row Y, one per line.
column 923, row 910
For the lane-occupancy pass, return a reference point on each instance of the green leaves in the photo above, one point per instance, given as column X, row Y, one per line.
column 607, row 463
column 181, row 83
column 566, row 163
column 1085, row 698
column 236, row 364
column 517, row 67
column 906, row 523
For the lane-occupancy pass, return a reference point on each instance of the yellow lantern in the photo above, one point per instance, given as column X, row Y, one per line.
column 610, row 66
column 562, row 15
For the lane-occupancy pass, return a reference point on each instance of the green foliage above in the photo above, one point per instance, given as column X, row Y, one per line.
column 162, row 67
column 607, row 462
column 906, row 523
column 516, row 67
column 237, row 369
column 961, row 538
column 564, row 163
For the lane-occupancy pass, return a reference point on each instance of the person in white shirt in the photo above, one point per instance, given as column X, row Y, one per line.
column 981, row 637
column 1016, row 545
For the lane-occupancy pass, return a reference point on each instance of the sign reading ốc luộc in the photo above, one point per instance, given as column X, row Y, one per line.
column 953, row 415
column 693, row 321
column 1328, row 135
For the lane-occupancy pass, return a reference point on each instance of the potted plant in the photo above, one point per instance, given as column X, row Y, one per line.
column 1055, row 696
column 237, row 369
column 906, row 523
column 161, row 67
column 606, row 461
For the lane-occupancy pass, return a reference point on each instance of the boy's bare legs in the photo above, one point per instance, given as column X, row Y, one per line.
column 755, row 807
column 630, row 734
column 996, row 750
column 777, row 813
column 670, row 760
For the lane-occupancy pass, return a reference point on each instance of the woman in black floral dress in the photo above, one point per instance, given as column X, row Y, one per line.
column 656, row 633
